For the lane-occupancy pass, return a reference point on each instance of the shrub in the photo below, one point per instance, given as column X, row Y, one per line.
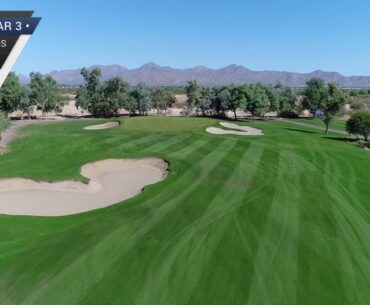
column 359, row 124
column 357, row 106
column 289, row 115
column 362, row 92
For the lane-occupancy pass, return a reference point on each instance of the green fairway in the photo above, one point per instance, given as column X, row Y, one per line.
column 170, row 124
column 335, row 124
column 281, row 219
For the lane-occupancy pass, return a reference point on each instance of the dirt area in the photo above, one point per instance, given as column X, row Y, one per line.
column 181, row 100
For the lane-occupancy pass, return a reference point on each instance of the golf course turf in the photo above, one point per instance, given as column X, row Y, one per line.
column 334, row 124
column 279, row 219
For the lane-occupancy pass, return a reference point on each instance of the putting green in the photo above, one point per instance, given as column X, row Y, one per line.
column 280, row 219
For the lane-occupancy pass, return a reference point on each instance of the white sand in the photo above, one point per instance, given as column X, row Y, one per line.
column 102, row 126
column 111, row 181
column 220, row 131
column 250, row 130
column 234, row 129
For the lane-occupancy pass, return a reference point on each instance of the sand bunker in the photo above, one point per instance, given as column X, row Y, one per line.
column 234, row 129
column 102, row 126
column 111, row 182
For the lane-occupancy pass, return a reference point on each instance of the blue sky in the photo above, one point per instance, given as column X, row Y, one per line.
column 299, row 36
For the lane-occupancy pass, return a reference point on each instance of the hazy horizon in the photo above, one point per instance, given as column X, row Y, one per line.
column 181, row 68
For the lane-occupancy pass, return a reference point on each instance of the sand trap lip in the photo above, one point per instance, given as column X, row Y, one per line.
column 111, row 181
column 234, row 129
column 102, row 126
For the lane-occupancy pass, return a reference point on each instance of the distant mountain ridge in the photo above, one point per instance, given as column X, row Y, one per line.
column 156, row 75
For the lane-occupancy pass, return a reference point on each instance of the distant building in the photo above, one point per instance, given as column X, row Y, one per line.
column 318, row 113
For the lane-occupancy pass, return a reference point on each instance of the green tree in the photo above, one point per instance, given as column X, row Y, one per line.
column 92, row 80
column 142, row 98
column 258, row 102
column 193, row 92
column 162, row 99
column 45, row 93
column 11, row 94
column 333, row 103
column 237, row 100
column 115, row 97
column 90, row 94
column 26, row 105
column 314, row 94
column 205, row 101
column 286, row 100
column 273, row 99
column 359, row 124
column 131, row 105
column 221, row 100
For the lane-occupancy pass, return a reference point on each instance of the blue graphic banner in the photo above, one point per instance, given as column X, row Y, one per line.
column 18, row 26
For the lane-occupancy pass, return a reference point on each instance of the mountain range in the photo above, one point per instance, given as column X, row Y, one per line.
column 156, row 75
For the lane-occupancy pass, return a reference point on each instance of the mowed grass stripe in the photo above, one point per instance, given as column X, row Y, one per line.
column 252, row 219
column 351, row 237
column 115, row 260
column 113, row 238
column 213, row 158
column 352, row 227
column 141, row 142
column 213, row 218
column 277, row 249
column 193, row 243
column 184, row 152
column 180, row 145
column 167, row 144
column 277, row 219
column 217, row 226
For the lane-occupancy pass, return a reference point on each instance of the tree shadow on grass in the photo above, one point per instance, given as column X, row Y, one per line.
column 358, row 142
column 302, row 130
column 343, row 139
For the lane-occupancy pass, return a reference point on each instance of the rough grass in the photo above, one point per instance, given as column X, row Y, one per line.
column 3, row 122
column 281, row 219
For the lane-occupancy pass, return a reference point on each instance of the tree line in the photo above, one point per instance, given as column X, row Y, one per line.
column 258, row 99
column 101, row 99
column 107, row 98
column 42, row 92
